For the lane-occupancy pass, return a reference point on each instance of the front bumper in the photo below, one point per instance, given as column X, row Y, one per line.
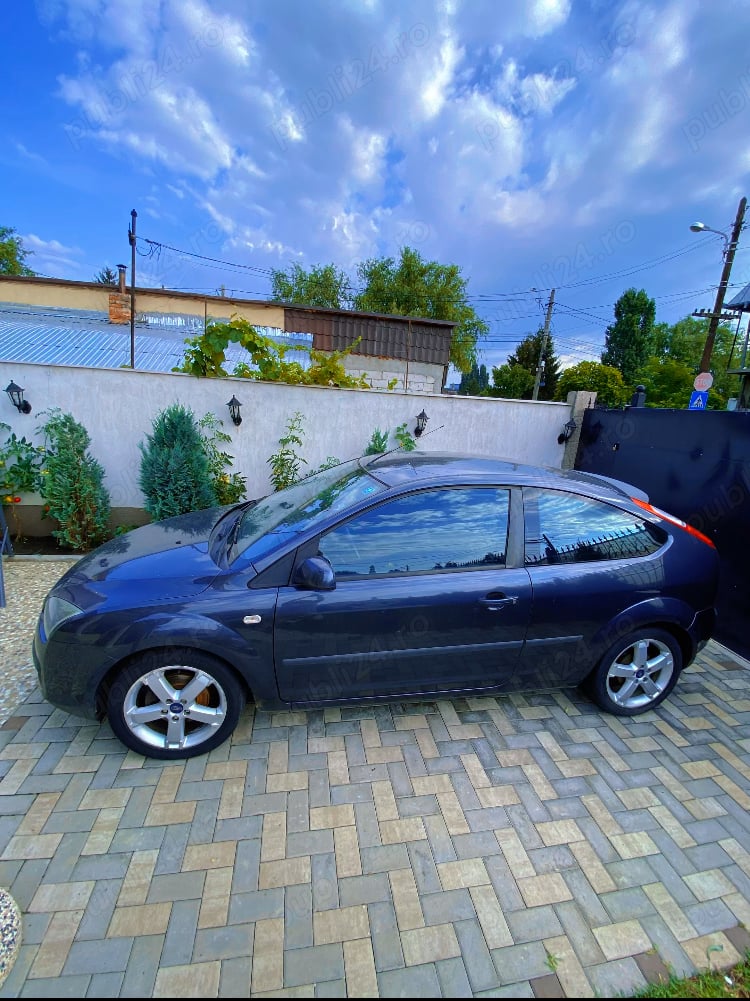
column 69, row 677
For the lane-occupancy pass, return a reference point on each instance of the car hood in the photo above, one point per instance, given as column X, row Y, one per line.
column 165, row 559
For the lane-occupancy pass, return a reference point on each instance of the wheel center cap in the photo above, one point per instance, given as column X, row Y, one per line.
column 176, row 707
column 639, row 673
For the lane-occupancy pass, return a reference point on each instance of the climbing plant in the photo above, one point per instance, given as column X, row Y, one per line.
column 205, row 356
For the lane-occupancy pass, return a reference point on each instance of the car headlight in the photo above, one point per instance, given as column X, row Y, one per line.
column 56, row 611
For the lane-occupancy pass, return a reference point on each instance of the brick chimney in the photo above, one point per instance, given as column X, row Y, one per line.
column 119, row 301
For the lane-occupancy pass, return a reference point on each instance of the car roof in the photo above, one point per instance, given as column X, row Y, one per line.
column 398, row 468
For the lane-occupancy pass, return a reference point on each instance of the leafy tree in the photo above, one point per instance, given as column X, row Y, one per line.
column 413, row 286
column 668, row 383
column 175, row 476
column 527, row 356
column 106, row 276
column 72, row 483
column 13, row 254
column 628, row 341
column 683, row 342
column 512, row 382
column 325, row 286
column 604, row 380
column 474, row 381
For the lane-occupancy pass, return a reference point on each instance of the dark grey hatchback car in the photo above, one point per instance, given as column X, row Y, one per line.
column 403, row 576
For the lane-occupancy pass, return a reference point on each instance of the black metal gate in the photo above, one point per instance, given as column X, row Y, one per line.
column 695, row 464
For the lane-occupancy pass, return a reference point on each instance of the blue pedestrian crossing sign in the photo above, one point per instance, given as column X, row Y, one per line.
column 698, row 401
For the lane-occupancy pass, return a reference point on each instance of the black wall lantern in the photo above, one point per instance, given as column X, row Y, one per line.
column 234, row 410
column 16, row 398
column 566, row 432
column 421, row 424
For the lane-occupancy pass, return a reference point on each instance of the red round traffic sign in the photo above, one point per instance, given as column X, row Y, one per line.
column 703, row 382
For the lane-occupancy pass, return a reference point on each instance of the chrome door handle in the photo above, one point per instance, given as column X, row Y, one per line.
column 495, row 604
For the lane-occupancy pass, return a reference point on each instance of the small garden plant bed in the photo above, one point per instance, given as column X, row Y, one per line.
column 733, row 983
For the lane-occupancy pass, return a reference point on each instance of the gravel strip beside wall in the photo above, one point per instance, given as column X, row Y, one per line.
column 27, row 582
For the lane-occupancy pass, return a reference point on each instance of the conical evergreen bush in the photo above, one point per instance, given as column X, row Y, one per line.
column 175, row 477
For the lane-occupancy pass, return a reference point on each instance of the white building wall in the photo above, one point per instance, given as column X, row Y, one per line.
column 420, row 377
column 117, row 407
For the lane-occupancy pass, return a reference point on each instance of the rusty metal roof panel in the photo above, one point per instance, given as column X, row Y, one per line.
column 398, row 337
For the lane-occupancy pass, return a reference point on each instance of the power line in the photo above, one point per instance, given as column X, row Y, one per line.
column 202, row 257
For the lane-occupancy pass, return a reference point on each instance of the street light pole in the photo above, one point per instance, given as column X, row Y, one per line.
column 729, row 249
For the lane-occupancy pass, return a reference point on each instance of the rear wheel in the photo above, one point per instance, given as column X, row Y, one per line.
column 173, row 704
column 637, row 673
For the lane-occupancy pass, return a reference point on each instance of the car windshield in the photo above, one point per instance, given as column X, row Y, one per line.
column 300, row 507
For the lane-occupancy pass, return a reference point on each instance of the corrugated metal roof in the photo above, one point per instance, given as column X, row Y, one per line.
column 741, row 300
column 94, row 343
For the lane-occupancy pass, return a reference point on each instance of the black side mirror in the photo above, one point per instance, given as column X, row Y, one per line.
column 315, row 574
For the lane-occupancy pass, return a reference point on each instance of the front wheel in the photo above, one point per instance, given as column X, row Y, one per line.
column 173, row 704
column 637, row 673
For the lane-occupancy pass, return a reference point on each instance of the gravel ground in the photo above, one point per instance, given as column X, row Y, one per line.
column 27, row 581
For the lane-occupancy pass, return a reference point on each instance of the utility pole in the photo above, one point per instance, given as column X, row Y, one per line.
column 543, row 349
column 721, row 291
column 131, row 240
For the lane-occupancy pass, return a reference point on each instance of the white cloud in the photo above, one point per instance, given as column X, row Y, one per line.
column 547, row 15
column 51, row 257
column 493, row 135
column 436, row 89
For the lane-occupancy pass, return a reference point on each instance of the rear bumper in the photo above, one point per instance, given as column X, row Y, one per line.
column 702, row 628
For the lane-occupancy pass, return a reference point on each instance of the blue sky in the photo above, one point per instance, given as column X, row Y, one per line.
column 535, row 143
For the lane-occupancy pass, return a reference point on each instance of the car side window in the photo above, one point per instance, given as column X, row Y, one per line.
column 566, row 528
column 462, row 528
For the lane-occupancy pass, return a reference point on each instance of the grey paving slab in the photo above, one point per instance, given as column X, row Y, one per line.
column 223, row 943
column 414, row 982
column 454, row 983
column 384, row 933
column 363, row 889
column 140, row 976
column 102, row 956
column 236, row 977
column 480, row 968
column 180, row 935
column 257, row 905
column 447, row 906
column 313, row 965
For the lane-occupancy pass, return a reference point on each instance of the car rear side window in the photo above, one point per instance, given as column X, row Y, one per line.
column 567, row 528
column 462, row 528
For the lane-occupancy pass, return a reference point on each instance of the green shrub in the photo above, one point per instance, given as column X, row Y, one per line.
column 378, row 443
column 286, row 463
column 405, row 438
column 72, row 483
column 228, row 487
column 20, row 463
column 175, row 477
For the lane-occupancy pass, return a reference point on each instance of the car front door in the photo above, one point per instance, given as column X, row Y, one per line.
column 424, row 601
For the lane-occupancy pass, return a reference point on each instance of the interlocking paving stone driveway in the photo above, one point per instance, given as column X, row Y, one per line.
column 520, row 846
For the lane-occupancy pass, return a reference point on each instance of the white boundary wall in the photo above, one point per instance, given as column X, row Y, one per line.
column 117, row 406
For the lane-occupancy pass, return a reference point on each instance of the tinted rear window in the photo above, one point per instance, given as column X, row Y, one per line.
column 567, row 528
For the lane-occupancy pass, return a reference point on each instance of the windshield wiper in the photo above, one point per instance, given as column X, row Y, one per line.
column 233, row 533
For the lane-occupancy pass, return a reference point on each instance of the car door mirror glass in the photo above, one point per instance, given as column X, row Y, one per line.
column 314, row 574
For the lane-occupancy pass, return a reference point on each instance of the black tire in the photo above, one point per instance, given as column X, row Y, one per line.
column 637, row 673
column 149, row 715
